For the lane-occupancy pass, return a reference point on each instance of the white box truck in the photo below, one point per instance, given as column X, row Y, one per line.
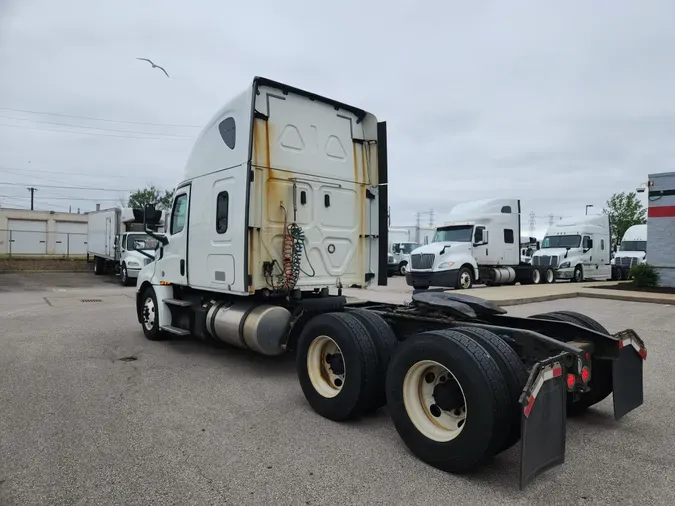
column 632, row 251
column 284, row 201
column 117, row 242
column 577, row 248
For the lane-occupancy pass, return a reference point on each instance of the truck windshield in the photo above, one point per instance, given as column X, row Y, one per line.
column 634, row 246
column 561, row 241
column 461, row 233
column 141, row 241
column 408, row 247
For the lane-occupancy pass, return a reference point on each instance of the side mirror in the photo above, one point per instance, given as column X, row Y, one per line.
column 589, row 244
column 151, row 217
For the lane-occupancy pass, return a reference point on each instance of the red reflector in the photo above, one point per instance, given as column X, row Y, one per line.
column 557, row 371
column 620, row 344
column 643, row 353
column 585, row 374
column 588, row 356
column 528, row 408
column 571, row 380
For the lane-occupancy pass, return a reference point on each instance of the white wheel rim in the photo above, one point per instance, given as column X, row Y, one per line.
column 427, row 416
column 403, row 269
column 149, row 313
column 549, row 276
column 323, row 366
column 536, row 276
column 465, row 280
column 124, row 274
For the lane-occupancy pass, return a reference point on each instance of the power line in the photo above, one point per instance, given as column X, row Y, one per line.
column 97, row 119
column 96, row 128
column 74, row 187
column 49, row 197
column 23, row 172
column 96, row 134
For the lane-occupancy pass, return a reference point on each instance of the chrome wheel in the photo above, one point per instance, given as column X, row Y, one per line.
column 465, row 279
column 149, row 313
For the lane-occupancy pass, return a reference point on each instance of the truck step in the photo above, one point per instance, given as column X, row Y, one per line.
column 175, row 330
column 178, row 302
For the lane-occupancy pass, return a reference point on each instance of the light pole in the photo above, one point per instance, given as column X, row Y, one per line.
column 587, row 206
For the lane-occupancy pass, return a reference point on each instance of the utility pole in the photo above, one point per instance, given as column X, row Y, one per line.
column 32, row 193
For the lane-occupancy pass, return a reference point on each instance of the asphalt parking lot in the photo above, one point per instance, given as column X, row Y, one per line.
column 92, row 413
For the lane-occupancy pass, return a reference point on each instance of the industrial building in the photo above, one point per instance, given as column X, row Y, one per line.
column 42, row 233
column 661, row 226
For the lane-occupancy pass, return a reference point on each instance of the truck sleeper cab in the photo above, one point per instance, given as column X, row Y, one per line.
column 632, row 252
column 284, row 202
column 577, row 249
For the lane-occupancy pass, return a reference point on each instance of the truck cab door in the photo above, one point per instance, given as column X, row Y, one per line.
column 587, row 252
column 173, row 266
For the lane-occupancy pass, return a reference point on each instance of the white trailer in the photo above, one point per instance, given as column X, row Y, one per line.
column 117, row 241
column 285, row 198
column 632, row 251
column 477, row 244
column 577, row 248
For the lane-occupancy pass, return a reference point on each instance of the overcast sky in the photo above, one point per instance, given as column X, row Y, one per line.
column 560, row 104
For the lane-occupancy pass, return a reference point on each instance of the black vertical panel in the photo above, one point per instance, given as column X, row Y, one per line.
column 383, row 203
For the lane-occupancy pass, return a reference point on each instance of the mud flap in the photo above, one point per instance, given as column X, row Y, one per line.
column 544, row 419
column 627, row 373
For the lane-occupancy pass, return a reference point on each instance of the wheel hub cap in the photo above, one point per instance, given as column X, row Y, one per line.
column 149, row 313
column 326, row 366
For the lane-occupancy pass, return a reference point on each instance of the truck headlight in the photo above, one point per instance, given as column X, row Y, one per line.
column 445, row 265
column 133, row 263
column 564, row 265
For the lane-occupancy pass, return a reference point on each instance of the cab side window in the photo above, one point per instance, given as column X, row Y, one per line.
column 178, row 214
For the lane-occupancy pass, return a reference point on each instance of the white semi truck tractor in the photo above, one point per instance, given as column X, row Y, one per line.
column 283, row 202
column 632, row 252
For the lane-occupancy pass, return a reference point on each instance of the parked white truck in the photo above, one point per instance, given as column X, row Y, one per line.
column 577, row 248
column 632, row 251
column 479, row 243
column 117, row 241
column 285, row 200
column 528, row 245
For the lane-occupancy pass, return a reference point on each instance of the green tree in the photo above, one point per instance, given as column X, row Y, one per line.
column 151, row 195
column 624, row 210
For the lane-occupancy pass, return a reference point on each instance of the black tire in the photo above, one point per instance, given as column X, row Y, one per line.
column 151, row 331
column 578, row 275
column 514, row 373
column 359, row 392
column 465, row 276
column 385, row 343
column 124, row 276
column 483, row 387
column 99, row 266
column 620, row 274
column 601, row 382
column 420, row 287
column 549, row 276
column 402, row 267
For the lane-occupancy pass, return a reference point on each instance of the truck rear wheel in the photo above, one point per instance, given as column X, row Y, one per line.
column 338, row 366
column 447, row 399
column 385, row 342
column 514, row 373
column 601, row 382
column 99, row 266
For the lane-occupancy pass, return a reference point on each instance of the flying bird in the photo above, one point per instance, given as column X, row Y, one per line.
column 154, row 66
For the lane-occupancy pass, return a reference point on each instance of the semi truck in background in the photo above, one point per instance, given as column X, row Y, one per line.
column 480, row 242
column 117, row 241
column 632, row 251
column 577, row 248
column 528, row 245
column 284, row 202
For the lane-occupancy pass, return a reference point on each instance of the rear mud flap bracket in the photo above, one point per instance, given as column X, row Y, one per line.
column 543, row 419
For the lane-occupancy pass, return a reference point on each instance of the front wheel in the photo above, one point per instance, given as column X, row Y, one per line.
column 150, row 316
column 124, row 276
column 578, row 274
column 402, row 268
column 465, row 278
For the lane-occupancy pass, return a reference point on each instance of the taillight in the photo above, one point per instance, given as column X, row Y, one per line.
column 585, row 374
column 571, row 380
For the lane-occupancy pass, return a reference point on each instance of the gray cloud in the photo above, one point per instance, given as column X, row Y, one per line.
column 558, row 104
